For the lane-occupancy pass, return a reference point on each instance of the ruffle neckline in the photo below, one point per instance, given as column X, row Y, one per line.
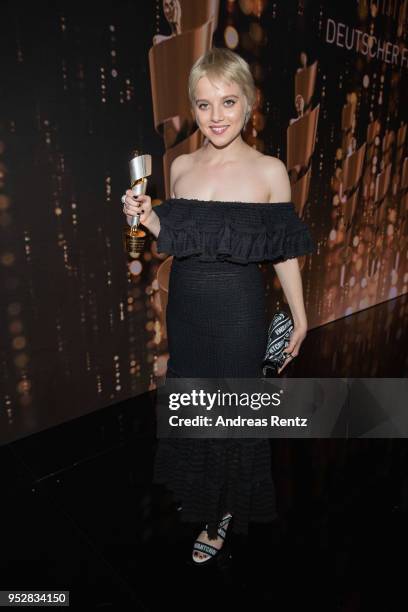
column 238, row 232
column 231, row 202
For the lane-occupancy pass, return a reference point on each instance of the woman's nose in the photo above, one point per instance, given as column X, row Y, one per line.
column 217, row 114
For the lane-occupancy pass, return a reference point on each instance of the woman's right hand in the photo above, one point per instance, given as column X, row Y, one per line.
column 296, row 338
column 134, row 205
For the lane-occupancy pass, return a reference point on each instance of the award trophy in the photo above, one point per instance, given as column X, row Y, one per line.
column 140, row 167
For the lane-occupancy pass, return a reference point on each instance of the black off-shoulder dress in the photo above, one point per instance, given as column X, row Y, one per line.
column 217, row 327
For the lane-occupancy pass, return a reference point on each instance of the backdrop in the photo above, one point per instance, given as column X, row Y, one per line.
column 80, row 89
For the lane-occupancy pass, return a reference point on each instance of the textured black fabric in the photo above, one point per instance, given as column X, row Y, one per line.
column 209, row 477
column 217, row 327
column 216, row 319
column 232, row 231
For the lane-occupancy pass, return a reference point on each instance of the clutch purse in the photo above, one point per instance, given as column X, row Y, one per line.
column 279, row 333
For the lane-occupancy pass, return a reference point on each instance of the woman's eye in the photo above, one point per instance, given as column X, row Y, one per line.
column 204, row 105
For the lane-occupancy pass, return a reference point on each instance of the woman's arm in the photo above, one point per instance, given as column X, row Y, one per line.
column 152, row 223
column 290, row 279
column 141, row 205
column 289, row 276
column 288, row 271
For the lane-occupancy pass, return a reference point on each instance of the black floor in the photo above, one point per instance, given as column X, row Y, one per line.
column 79, row 512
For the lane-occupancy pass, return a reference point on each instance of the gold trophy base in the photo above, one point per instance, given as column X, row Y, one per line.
column 134, row 241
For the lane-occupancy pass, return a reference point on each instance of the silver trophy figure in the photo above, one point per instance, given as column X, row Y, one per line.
column 140, row 167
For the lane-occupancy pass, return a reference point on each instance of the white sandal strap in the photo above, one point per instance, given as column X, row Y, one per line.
column 207, row 548
column 226, row 519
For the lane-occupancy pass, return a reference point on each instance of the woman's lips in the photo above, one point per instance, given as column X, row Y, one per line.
column 219, row 130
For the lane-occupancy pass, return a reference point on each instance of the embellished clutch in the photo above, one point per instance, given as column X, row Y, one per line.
column 279, row 333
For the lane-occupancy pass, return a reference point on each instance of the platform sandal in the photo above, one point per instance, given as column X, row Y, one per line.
column 214, row 554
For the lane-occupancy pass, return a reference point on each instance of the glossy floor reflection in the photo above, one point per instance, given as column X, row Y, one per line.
column 79, row 512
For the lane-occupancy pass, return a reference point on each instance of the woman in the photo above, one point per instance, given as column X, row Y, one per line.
column 229, row 210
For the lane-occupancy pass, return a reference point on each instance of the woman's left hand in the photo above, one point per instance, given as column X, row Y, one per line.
column 296, row 338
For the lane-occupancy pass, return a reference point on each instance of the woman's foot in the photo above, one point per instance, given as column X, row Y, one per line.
column 198, row 555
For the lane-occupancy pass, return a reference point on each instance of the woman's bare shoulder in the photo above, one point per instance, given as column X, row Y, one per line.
column 266, row 162
column 180, row 164
column 276, row 178
column 178, row 167
column 179, row 161
column 271, row 163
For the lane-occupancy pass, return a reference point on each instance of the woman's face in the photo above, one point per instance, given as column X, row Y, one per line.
column 219, row 110
column 169, row 9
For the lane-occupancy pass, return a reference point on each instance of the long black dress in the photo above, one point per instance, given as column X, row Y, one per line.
column 217, row 327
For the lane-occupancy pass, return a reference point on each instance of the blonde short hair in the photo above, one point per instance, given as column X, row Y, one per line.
column 227, row 65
